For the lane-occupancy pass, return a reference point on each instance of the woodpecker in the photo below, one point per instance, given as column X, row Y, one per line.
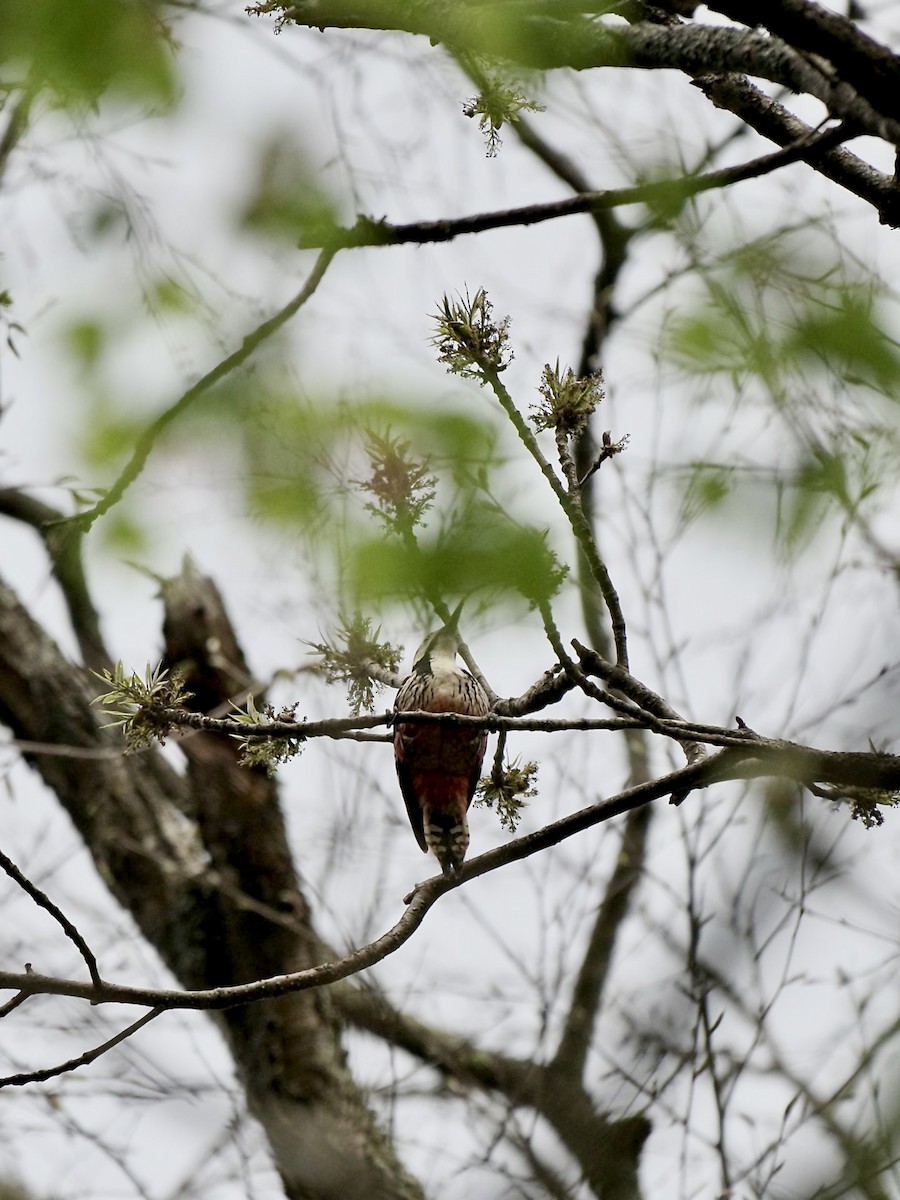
column 438, row 765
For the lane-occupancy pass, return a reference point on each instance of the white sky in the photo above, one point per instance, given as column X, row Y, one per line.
column 743, row 632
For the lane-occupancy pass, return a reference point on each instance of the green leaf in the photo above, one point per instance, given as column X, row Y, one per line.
column 708, row 486
column 848, row 339
column 478, row 551
column 86, row 339
column 79, row 49
column 820, row 478
column 287, row 202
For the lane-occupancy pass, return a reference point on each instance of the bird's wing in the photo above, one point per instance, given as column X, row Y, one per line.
column 476, row 771
column 403, row 740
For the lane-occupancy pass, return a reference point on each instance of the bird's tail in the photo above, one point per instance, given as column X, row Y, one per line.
column 447, row 836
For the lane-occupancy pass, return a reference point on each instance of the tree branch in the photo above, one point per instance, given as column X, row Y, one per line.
column 587, row 992
column 147, row 440
column 586, row 997
column 637, row 692
column 545, row 43
column 164, row 845
column 757, row 760
column 366, row 232
column 42, row 899
column 82, row 1060
column 606, row 1150
column 775, row 122
column 63, row 545
column 872, row 69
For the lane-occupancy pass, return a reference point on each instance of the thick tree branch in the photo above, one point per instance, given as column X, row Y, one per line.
column 717, row 59
column 545, row 43
column 872, row 69
column 175, row 852
column 775, row 122
column 288, row 1049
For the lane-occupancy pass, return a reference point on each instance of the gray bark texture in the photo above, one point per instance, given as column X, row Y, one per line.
column 201, row 862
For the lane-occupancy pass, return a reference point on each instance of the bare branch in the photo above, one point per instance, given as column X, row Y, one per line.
column 872, row 69
column 878, row 773
column 756, row 760
column 547, row 690
column 772, row 120
column 537, row 41
column 367, row 232
column 606, row 1150
column 13, row 1004
column 89, row 1056
column 636, row 691
column 42, row 899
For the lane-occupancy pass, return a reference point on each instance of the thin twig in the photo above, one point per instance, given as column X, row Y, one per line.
column 82, row 1060
column 573, row 511
column 367, row 232
column 45, row 902
column 13, row 1004
column 679, row 730
column 150, row 435
column 63, row 546
column 571, row 668
column 636, row 691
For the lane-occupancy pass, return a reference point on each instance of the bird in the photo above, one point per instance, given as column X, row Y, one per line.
column 438, row 765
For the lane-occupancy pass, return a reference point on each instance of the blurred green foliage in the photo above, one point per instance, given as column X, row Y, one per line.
column 78, row 49
column 478, row 550
column 796, row 346
column 86, row 339
column 778, row 309
column 288, row 202
column 392, row 498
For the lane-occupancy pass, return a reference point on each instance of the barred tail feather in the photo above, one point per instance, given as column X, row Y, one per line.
column 447, row 836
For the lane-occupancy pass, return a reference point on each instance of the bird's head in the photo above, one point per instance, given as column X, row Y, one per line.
column 442, row 644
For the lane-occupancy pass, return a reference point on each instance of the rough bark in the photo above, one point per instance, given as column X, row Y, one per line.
column 815, row 53
column 202, row 863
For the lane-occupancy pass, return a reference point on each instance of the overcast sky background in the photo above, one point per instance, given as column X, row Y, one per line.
column 783, row 644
